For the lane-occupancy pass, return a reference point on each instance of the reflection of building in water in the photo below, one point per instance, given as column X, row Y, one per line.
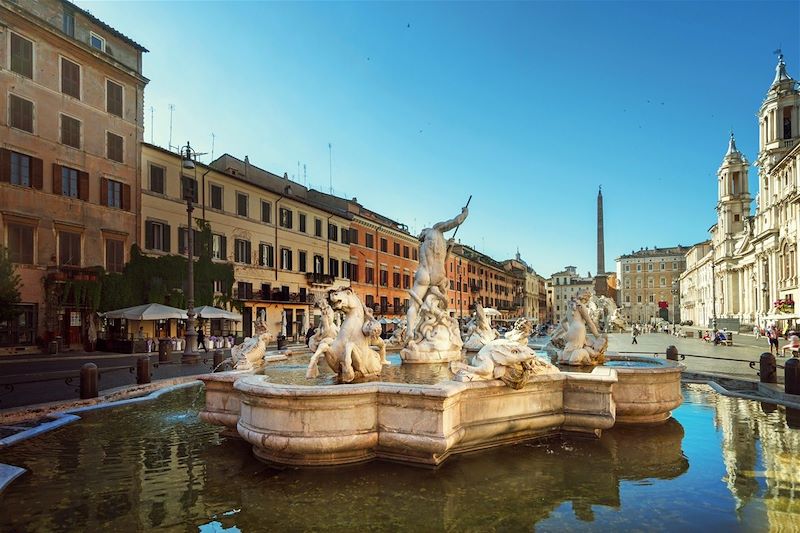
column 762, row 459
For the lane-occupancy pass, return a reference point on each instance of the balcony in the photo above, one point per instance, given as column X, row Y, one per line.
column 280, row 296
column 319, row 279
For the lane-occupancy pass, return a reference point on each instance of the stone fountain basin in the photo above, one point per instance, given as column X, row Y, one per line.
column 648, row 389
column 420, row 424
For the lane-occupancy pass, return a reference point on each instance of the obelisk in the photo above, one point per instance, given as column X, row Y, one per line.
column 600, row 279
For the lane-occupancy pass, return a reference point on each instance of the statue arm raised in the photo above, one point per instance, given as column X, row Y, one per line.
column 588, row 320
column 447, row 225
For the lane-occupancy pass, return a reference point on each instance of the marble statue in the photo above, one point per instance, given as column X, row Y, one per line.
column 250, row 354
column 578, row 349
column 351, row 354
column 601, row 308
column 506, row 359
column 479, row 330
column 398, row 337
column 327, row 327
column 283, row 323
column 260, row 324
column 520, row 332
column 433, row 335
column 616, row 322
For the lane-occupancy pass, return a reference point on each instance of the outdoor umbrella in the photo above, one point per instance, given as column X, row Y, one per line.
column 208, row 312
column 147, row 312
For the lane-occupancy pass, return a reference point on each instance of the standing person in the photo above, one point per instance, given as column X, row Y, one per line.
column 634, row 334
column 756, row 332
column 772, row 335
column 201, row 339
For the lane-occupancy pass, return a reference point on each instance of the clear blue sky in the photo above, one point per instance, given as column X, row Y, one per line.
column 526, row 106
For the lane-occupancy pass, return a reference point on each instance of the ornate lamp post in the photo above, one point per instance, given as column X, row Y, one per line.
column 188, row 157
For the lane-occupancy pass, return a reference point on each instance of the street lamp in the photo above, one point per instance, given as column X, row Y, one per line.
column 188, row 157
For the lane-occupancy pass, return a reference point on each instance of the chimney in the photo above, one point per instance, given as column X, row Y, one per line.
column 246, row 165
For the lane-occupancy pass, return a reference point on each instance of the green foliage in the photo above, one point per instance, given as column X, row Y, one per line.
column 9, row 287
column 163, row 279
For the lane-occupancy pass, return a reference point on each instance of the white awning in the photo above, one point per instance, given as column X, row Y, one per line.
column 207, row 312
column 147, row 312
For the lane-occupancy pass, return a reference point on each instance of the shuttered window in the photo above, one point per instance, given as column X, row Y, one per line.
column 157, row 179
column 70, row 131
column 114, row 147
column 266, row 255
column 69, row 248
column 20, row 243
column 22, row 55
column 70, row 78
column 157, row 236
column 20, row 113
column 241, row 251
column 114, row 98
column 115, row 255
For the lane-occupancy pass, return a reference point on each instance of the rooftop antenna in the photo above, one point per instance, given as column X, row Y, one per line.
column 298, row 171
column 151, row 124
column 213, row 138
column 171, row 110
column 305, row 176
column 330, row 166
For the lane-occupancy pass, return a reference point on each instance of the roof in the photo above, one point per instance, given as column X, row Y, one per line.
column 656, row 252
column 105, row 26
column 780, row 72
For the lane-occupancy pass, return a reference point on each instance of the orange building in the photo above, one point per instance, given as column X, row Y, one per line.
column 383, row 259
column 475, row 275
column 70, row 128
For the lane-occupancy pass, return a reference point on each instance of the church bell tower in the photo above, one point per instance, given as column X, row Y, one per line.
column 733, row 204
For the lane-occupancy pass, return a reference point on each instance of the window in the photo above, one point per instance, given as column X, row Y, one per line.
column 266, row 212
column 353, row 272
column 115, row 255
column 384, row 245
column 266, row 255
column 649, row 267
column 69, row 248
column 219, row 247
column 183, row 242
column 301, row 261
column 384, row 280
column 663, row 266
column 20, row 169
column 244, row 290
column 317, row 227
column 638, row 299
column 627, row 268
column 70, row 78
column 69, row 182
column 68, row 23
column 414, row 254
column 396, row 305
column 70, row 131
column 20, row 243
column 216, row 196
column 217, row 286
column 405, row 252
column 663, row 281
column 114, row 147
column 369, row 275
column 396, row 280
column 22, row 55
column 406, row 281
column 333, row 267
column 113, row 194
column 114, row 98
column 650, row 299
column 638, row 268
column 95, row 41
column 396, row 249
column 736, row 218
column 241, row 251
column 319, row 267
column 20, row 113
column 333, row 232
column 286, row 259
column 286, row 218
column 674, row 266
column 301, row 217
column 345, row 270
column 157, row 236
column 353, row 235
column 241, row 204
column 345, row 236
column 369, row 240
column 370, row 301
column 157, row 179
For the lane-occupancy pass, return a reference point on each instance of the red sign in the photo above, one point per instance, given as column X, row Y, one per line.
column 663, row 305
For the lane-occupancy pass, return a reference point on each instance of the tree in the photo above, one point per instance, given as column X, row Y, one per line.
column 9, row 287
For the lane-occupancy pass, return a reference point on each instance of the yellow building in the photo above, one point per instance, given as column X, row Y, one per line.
column 284, row 245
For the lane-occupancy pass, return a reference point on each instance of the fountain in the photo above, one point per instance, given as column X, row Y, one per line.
column 479, row 330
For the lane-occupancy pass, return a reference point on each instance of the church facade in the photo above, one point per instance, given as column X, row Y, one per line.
column 746, row 274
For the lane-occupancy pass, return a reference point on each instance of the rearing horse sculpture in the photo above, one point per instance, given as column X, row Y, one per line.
column 350, row 354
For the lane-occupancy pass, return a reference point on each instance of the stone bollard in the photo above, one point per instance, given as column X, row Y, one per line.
column 143, row 370
column 791, row 370
column 219, row 357
column 281, row 342
column 89, row 377
column 164, row 350
column 672, row 353
column 767, row 368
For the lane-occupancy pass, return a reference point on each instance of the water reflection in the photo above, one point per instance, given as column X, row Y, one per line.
column 157, row 467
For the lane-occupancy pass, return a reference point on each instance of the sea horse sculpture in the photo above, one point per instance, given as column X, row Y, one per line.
column 578, row 349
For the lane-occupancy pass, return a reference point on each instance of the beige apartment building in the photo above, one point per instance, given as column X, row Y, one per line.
column 563, row 286
column 284, row 246
column 70, row 127
column 649, row 283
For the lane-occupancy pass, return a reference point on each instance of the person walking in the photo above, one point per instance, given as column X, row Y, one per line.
column 756, row 332
column 634, row 334
column 201, row 339
column 772, row 335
